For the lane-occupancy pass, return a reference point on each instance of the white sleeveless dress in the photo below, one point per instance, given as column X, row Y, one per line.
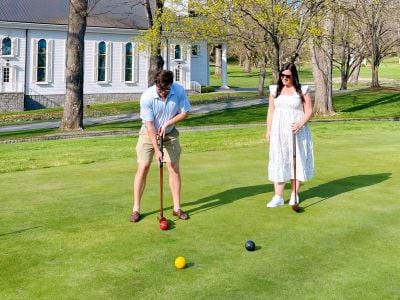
column 288, row 110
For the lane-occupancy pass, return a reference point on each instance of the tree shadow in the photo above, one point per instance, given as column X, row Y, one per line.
column 342, row 185
column 383, row 100
column 19, row 231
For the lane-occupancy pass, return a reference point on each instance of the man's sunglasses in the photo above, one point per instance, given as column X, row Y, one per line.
column 163, row 91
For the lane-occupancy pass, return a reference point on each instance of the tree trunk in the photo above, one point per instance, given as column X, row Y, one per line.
column 321, row 57
column 276, row 63
column 356, row 73
column 155, row 24
column 73, row 107
column 218, row 61
column 156, row 65
column 261, row 80
column 247, row 62
column 375, row 77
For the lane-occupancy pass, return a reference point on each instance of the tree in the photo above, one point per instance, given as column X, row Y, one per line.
column 154, row 37
column 349, row 51
column 73, row 108
column 321, row 46
column 377, row 28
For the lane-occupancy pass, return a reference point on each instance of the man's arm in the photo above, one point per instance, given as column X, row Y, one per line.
column 173, row 121
column 152, row 133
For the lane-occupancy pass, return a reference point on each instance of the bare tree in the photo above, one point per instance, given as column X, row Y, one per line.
column 377, row 26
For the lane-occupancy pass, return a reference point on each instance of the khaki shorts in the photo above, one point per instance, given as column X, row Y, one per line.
column 145, row 150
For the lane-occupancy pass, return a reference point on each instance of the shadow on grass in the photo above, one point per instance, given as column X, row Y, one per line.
column 222, row 198
column 227, row 197
column 19, row 231
column 383, row 100
column 342, row 185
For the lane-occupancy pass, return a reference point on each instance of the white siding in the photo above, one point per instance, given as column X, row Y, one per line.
column 115, row 83
column 199, row 66
column 17, row 61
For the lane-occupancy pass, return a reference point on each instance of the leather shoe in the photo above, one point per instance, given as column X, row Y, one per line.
column 135, row 217
column 180, row 214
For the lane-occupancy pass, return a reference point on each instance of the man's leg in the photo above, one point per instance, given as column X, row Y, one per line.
column 175, row 184
column 139, row 185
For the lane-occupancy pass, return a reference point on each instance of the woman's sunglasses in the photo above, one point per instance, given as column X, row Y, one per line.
column 286, row 76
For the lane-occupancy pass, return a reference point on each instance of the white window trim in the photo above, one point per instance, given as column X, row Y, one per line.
column 183, row 53
column 14, row 47
column 135, row 64
column 108, row 75
column 49, row 61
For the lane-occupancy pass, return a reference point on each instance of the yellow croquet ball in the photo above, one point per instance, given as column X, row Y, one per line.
column 180, row 262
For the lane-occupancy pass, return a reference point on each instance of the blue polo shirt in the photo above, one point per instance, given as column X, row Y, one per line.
column 154, row 108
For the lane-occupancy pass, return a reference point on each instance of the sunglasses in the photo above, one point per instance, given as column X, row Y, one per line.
column 286, row 76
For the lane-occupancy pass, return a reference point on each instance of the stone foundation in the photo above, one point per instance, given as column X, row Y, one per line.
column 10, row 102
column 45, row 101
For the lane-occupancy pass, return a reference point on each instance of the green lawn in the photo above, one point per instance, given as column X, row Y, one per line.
column 64, row 229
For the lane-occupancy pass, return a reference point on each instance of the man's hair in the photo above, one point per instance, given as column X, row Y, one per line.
column 164, row 79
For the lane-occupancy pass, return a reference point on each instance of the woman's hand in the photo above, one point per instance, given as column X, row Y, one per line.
column 296, row 127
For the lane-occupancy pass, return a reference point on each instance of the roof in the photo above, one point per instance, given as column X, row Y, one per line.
column 106, row 13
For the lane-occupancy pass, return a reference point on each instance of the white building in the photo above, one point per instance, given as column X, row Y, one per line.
column 33, row 50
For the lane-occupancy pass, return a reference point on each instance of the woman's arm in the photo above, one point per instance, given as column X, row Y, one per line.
column 308, row 110
column 271, row 109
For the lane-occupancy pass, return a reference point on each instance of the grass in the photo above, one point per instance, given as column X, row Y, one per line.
column 64, row 230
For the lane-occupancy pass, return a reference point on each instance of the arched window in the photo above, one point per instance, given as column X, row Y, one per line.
column 6, row 46
column 128, row 62
column 41, row 60
column 102, row 60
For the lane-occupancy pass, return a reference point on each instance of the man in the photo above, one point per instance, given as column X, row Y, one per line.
column 161, row 107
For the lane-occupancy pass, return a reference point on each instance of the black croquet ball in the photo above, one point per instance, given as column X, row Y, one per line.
column 250, row 246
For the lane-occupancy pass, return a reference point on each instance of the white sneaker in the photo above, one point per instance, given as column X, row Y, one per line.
column 276, row 201
column 292, row 199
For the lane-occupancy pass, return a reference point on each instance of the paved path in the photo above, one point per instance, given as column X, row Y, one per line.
column 196, row 109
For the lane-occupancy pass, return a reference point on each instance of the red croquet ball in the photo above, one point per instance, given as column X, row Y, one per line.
column 164, row 225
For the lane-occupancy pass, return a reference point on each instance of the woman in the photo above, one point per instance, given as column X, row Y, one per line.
column 289, row 110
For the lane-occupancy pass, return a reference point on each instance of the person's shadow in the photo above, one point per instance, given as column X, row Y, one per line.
column 228, row 196
column 339, row 186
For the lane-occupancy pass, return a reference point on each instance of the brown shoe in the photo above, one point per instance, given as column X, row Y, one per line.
column 135, row 217
column 180, row 214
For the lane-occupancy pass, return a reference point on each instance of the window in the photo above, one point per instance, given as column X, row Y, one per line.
column 6, row 74
column 129, row 66
column 41, row 65
column 42, row 61
column 178, row 52
column 102, row 62
column 101, row 67
column 195, row 50
column 178, row 74
column 6, row 46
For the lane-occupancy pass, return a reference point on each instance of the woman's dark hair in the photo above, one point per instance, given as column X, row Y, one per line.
column 295, row 79
column 164, row 79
